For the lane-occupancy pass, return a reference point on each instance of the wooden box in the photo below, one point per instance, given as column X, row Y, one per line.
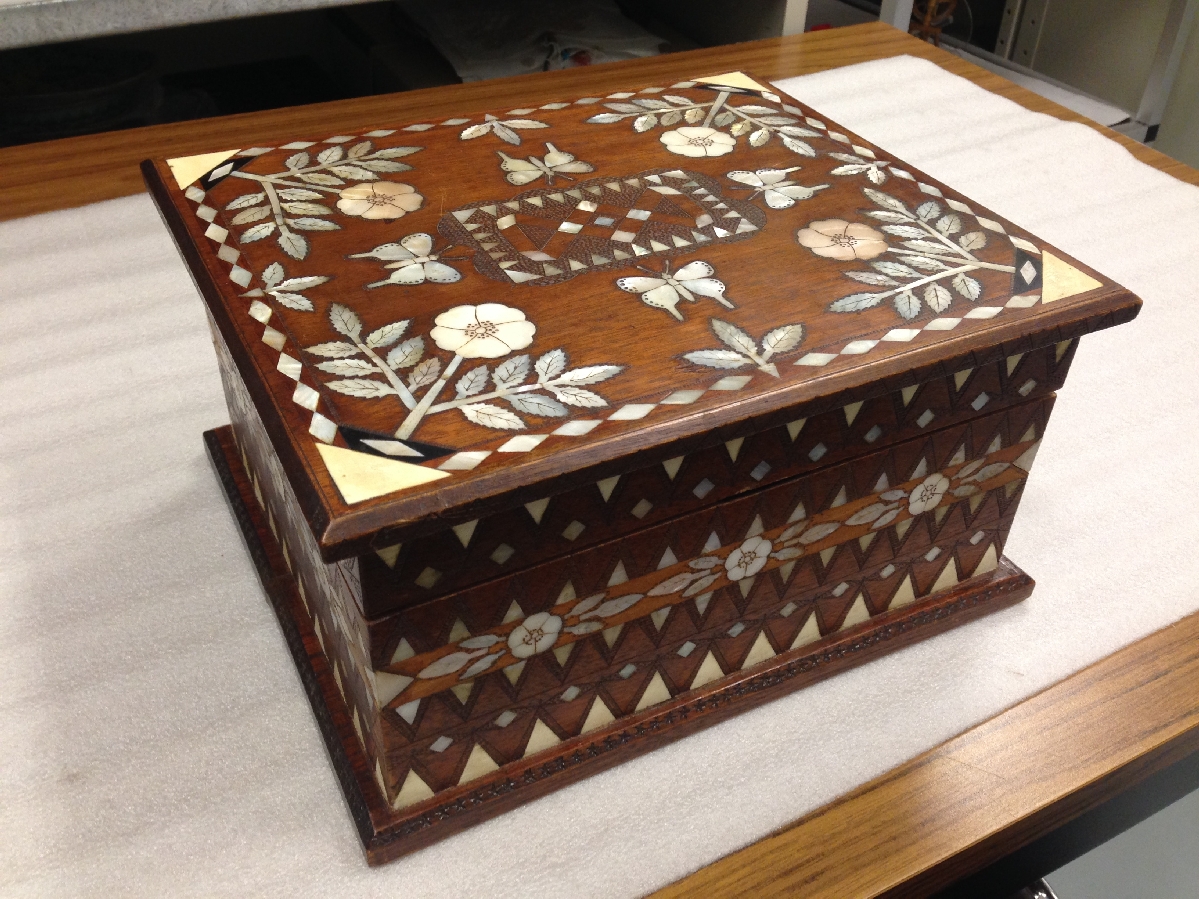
column 558, row 432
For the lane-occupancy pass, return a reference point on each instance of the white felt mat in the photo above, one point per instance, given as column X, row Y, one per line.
column 154, row 737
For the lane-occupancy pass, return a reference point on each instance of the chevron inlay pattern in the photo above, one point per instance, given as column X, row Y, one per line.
column 452, row 559
column 509, row 668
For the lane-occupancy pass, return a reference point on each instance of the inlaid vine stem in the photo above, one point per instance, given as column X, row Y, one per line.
column 267, row 180
column 403, row 392
column 928, row 279
column 273, row 198
column 962, row 252
column 974, row 263
column 716, row 107
column 414, row 417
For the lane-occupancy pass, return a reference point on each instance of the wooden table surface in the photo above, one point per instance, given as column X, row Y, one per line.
column 940, row 817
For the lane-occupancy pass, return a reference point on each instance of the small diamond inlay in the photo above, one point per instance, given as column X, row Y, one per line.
column 428, row 578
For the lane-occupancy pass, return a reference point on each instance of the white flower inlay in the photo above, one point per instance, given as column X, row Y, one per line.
column 379, row 200
column 535, row 634
column 842, row 240
column 928, row 494
column 748, row 559
column 487, row 331
column 698, row 141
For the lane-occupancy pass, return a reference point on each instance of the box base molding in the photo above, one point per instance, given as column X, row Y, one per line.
column 389, row 833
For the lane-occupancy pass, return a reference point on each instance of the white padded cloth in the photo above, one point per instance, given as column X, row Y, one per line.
column 154, row 737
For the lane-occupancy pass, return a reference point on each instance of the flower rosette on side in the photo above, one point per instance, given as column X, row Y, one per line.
column 379, row 200
column 842, row 240
column 748, row 559
column 927, row 495
column 698, row 142
column 534, row 635
column 487, row 331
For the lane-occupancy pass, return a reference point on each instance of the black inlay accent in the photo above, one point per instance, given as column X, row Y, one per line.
column 1019, row 285
column 355, row 437
column 235, row 163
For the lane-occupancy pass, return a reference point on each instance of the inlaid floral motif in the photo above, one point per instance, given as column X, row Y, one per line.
column 482, row 332
column 711, row 127
column 839, row 239
column 505, row 130
column 698, row 142
column 932, row 252
column 385, row 200
column 928, row 495
column 286, row 291
column 743, row 350
column 748, row 559
column 535, row 634
column 485, row 331
column 758, row 551
column 919, row 257
column 285, row 202
column 874, row 169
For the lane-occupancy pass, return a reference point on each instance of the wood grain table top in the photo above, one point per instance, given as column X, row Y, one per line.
column 939, row 817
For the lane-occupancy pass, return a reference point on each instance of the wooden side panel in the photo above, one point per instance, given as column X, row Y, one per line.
column 330, row 594
column 501, row 671
column 476, row 551
column 388, row 832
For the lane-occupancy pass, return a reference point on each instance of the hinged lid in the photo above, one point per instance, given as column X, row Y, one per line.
column 445, row 318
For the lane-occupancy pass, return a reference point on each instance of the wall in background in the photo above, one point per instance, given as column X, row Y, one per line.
column 1101, row 47
column 1179, row 134
column 1156, row 859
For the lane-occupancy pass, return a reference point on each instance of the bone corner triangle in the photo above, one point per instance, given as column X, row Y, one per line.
column 1060, row 280
column 362, row 476
column 733, row 79
column 188, row 169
